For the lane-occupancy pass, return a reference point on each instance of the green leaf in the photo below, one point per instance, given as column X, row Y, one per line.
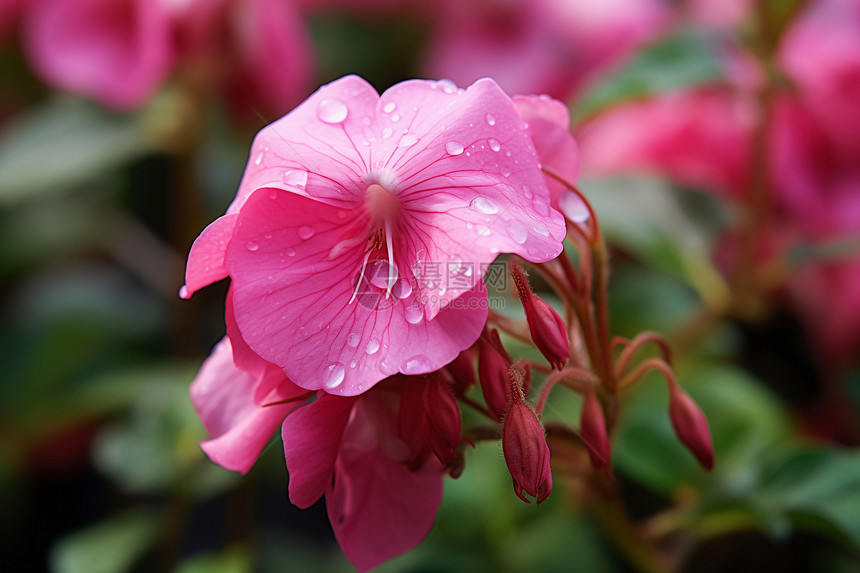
column 61, row 144
column 687, row 58
column 237, row 560
column 111, row 546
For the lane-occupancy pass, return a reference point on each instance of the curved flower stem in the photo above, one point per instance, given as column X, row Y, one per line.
column 645, row 367
column 637, row 343
column 577, row 379
column 510, row 326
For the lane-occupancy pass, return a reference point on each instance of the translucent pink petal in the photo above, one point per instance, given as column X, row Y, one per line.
column 312, row 439
column 549, row 127
column 292, row 288
column 223, row 397
column 377, row 507
column 206, row 259
column 115, row 51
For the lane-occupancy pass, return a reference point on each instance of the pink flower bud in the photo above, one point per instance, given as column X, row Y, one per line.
column 548, row 330
column 462, row 371
column 493, row 366
column 526, row 451
column 592, row 428
column 442, row 419
column 691, row 426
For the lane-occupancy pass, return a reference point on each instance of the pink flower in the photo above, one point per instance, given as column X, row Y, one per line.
column 240, row 410
column 526, row 451
column 116, row 51
column 354, row 451
column 350, row 208
column 538, row 46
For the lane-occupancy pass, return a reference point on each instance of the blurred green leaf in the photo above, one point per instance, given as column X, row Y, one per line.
column 237, row 560
column 63, row 143
column 687, row 58
column 111, row 546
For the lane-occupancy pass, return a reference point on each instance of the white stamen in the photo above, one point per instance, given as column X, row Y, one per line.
column 392, row 269
column 360, row 277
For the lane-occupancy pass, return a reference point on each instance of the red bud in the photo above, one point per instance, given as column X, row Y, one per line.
column 411, row 420
column 526, row 451
column 462, row 370
column 691, row 426
column 442, row 419
column 547, row 328
column 592, row 428
column 493, row 366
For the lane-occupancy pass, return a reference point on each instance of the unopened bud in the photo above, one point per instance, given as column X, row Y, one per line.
column 493, row 366
column 411, row 420
column 592, row 428
column 547, row 328
column 462, row 371
column 691, row 426
column 526, row 451
column 442, row 418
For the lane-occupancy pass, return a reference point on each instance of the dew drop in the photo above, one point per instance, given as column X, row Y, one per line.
column 416, row 365
column 353, row 339
column 484, row 205
column 541, row 206
column 387, row 132
column 541, row 229
column 306, row 232
column 291, row 252
column 483, row 230
column 413, row 314
column 259, row 159
column 527, row 191
column 407, row 140
column 332, row 111
column 573, row 207
column 352, row 365
column 183, row 292
column 334, row 375
column 490, row 119
column 372, row 347
column 389, row 107
column 517, row 230
column 494, row 144
column 252, row 246
column 402, row 289
column 395, row 118
column 448, row 86
column 268, row 235
column 454, row 148
column 297, row 178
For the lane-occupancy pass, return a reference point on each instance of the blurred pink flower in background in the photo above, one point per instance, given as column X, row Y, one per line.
column 120, row 52
column 538, row 46
column 9, row 12
column 351, row 194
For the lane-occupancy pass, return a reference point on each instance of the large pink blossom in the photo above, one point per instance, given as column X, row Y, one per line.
column 538, row 46
column 363, row 226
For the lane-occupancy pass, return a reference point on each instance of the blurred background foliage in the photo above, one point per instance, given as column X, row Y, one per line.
column 100, row 468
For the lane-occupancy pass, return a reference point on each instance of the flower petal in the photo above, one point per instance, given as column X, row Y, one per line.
column 297, row 306
column 206, row 259
column 312, row 438
column 377, row 507
column 223, row 397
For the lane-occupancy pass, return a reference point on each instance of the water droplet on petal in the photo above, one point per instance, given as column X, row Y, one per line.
column 483, row 230
column 296, row 177
column 252, row 246
column 419, row 364
column 413, row 314
column 389, row 107
column 306, row 232
column 387, row 132
column 490, row 119
column 448, row 86
column 334, row 375
column 402, row 289
column 484, row 205
column 259, row 159
column 372, row 347
column 541, row 229
column 352, row 365
column 454, row 148
column 541, row 206
column 183, row 292
column 332, row 111
column 517, row 230
column 494, row 144
column 353, row 339
column 407, row 140
column 527, row 191
column 395, row 118
column 291, row 252
column 573, row 207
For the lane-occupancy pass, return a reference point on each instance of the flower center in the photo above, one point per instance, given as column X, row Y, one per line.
column 383, row 208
